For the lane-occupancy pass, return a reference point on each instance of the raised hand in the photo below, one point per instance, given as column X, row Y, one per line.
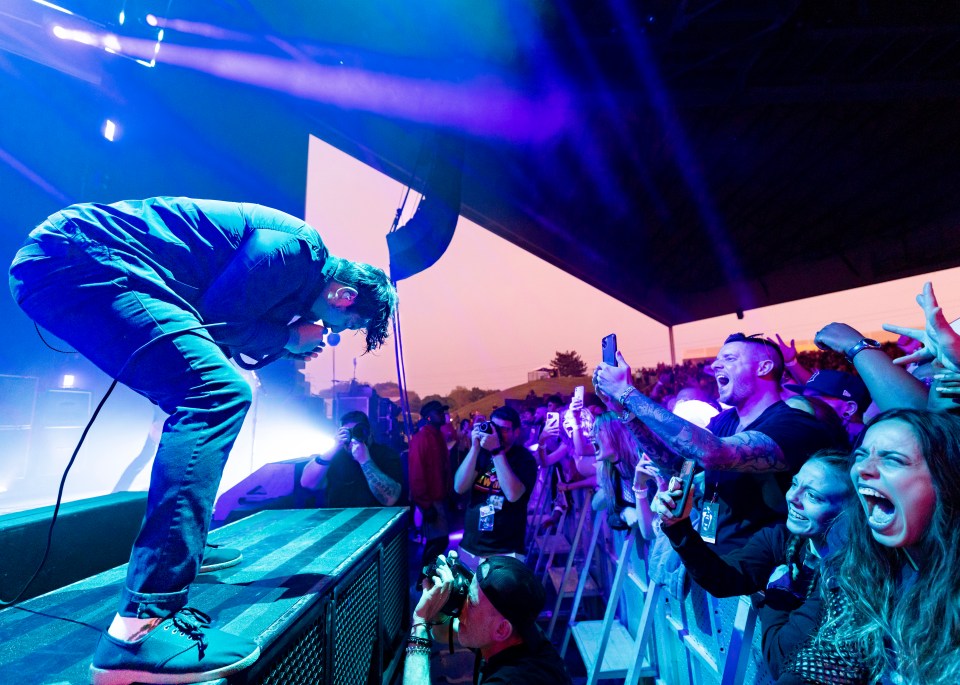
column 613, row 380
column 939, row 340
column 789, row 352
column 838, row 337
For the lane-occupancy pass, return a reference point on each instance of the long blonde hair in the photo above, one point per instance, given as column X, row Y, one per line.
column 625, row 448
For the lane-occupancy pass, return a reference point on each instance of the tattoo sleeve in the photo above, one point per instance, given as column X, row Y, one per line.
column 654, row 447
column 384, row 488
column 749, row 451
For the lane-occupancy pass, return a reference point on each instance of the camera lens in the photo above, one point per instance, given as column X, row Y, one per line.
column 360, row 433
column 459, row 589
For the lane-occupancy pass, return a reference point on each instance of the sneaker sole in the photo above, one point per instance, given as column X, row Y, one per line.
column 129, row 677
column 219, row 567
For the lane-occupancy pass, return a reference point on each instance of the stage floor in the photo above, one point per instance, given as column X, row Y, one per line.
column 292, row 563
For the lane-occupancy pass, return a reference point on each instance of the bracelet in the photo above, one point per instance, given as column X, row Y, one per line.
column 321, row 461
column 422, row 641
column 792, row 362
column 429, row 629
column 625, row 394
column 419, row 649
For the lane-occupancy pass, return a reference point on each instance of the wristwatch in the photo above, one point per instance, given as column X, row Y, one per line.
column 864, row 344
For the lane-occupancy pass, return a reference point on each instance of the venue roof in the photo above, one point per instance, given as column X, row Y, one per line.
column 689, row 157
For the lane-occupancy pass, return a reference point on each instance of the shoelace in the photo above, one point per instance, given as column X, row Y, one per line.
column 191, row 622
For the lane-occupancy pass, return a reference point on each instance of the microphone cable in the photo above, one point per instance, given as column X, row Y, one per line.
column 83, row 436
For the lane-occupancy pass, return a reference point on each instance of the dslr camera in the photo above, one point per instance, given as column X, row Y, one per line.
column 459, row 589
column 490, row 428
column 360, row 432
column 487, row 426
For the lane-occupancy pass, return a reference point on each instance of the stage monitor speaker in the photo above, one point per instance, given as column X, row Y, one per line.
column 80, row 547
column 273, row 486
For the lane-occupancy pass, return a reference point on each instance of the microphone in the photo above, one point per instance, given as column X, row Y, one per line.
column 333, row 339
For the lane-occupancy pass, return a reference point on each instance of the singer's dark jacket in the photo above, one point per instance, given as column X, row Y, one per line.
column 251, row 266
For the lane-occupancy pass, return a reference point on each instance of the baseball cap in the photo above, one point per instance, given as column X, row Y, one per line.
column 839, row 384
column 514, row 591
column 433, row 406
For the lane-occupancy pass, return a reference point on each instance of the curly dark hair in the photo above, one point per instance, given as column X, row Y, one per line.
column 376, row 299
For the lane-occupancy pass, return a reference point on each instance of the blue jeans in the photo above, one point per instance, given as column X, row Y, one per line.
column 82, row 293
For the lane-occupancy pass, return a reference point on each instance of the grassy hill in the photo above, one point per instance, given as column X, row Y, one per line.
column 545, row 386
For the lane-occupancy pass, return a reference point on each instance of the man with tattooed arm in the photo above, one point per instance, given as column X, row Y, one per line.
column 748, row 453
column 356, row 471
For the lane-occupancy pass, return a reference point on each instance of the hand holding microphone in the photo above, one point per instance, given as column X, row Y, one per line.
column 306, row 340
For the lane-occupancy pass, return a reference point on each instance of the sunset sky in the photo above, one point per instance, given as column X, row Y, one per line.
column 489, row 312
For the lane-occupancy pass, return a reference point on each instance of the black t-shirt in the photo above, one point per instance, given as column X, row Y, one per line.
column 347, row 487
column 539, row 664
column 751, row 501
column 509, row 518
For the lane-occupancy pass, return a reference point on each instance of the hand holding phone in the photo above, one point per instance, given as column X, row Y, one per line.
column 686, row 485
column 552, row 424
column 608, row 349
column 640, row 479
column 674, row 505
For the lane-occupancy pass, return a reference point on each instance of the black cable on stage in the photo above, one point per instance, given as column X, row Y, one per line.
column 397, row 336
column 56, row 508
column 83, row 436
column 402, row 374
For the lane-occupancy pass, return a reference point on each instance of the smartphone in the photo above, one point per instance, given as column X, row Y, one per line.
column 553, row 420
column 686, row 477
column 578, row 393
column 608, row 347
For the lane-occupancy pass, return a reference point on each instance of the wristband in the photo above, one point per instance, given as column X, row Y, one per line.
column 497, row 452
column 428, row 626
column 792, row 362
column 625, row 394
column 864, row 344
column 321, row 461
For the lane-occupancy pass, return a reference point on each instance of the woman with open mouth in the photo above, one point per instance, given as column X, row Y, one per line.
column 899, row 573
column 783, row 561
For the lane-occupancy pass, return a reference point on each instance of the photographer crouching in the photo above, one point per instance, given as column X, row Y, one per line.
column 356, row 471
column 494, row 613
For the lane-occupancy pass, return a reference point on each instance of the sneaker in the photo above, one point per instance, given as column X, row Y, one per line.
column 217, row 558
column 183, row 648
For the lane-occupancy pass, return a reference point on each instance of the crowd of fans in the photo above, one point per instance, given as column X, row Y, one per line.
column 830, row 484
column 827, row 482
